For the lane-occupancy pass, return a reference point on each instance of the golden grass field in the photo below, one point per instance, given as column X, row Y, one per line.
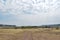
column 30, row 34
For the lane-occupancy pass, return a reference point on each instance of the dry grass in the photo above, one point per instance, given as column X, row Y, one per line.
column 30, row 34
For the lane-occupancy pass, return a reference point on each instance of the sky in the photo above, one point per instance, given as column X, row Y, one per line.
column 29, row 12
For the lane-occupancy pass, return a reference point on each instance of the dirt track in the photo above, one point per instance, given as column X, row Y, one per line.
column 29, row 35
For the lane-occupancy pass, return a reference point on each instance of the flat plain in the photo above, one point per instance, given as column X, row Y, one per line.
column 30, row 34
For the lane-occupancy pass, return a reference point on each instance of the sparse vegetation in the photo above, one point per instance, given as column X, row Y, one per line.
column 30, row 34
column 12, row 32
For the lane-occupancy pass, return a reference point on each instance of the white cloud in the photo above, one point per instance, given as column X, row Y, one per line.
column 31, row 12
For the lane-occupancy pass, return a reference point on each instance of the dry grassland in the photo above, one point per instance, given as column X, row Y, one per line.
column 30, row 34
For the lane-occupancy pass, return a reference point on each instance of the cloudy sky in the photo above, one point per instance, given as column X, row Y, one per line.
column 29, row 12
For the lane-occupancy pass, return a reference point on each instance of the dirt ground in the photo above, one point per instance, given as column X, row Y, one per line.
column 29, row 34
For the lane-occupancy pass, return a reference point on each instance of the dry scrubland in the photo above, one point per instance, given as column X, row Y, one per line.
column 30, row 34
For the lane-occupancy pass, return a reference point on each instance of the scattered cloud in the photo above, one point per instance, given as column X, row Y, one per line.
column 29, row 12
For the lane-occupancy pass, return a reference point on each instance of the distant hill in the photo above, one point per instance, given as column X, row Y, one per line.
column 43, row 26
column 1, row 25
column 7, row 26
column 52, row 26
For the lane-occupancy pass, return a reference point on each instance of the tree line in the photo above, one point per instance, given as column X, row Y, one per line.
column 23, row 27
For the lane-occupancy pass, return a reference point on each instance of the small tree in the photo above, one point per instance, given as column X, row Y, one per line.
column 57, row 28
column 46, row 26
